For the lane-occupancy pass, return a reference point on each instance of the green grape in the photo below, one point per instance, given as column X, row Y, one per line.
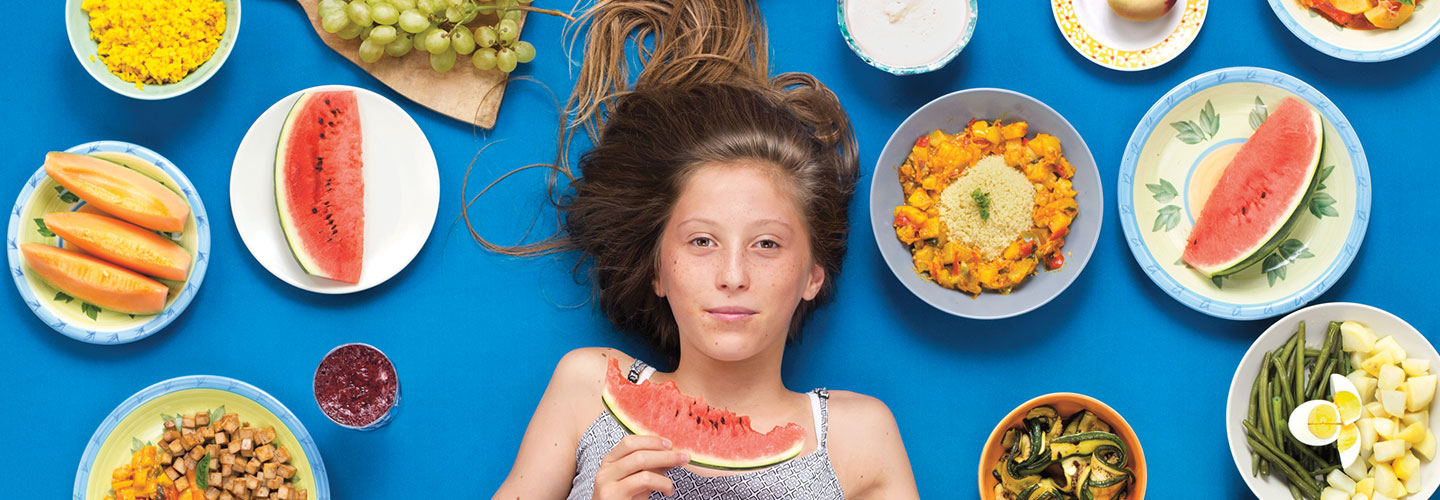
column 507, row 30
column 412, row 21
column 359, row 13
column 526, row 2
column 484, row 59
column 485, row 36
column 455, row 3
column 370, row 51
column 442, row 61
column 400, row 46
column 328, row 6
column 335, row 21
column 454, row 14
column 384, row 13
column 514, row 16
column 437, row 40
column 469, row 16
column 383, row 34
column 524, row 52
column 403, row 5
column 430, row 6
column 350, row 31
column 461, row 40
column 505, row 59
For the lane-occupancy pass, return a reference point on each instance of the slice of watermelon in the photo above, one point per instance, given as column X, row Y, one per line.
column 1257, row 201
column 319, row 186
column 713, row 437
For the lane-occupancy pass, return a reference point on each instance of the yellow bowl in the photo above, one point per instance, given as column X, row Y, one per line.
column 138, row 419
column 1066, row 403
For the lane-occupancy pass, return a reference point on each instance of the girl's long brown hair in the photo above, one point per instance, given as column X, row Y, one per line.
column 703, row 96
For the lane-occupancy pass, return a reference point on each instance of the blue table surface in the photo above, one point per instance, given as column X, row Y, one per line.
column 475, row 335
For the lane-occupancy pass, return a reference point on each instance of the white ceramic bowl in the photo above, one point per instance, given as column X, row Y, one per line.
column 1317, row 319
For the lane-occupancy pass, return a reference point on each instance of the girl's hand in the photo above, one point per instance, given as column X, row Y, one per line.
column 637, row 467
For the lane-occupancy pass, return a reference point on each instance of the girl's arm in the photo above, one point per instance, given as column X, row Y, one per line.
column 545, row 465
column 866, row 450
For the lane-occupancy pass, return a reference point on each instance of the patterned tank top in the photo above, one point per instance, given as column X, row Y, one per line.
column 810, row 476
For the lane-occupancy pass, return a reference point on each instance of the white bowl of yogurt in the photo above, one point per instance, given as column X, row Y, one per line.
column 906, row 37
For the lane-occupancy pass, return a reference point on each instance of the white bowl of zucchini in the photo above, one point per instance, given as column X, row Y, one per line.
column 1392, row 367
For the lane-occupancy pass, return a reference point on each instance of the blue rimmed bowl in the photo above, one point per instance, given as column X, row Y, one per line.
column 971, row 15
column 1183, row 139
column 139, row 419
column 73, row 317
column 951, row 113
column 1358, row 45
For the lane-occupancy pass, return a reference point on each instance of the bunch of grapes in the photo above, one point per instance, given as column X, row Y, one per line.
column 436, row 27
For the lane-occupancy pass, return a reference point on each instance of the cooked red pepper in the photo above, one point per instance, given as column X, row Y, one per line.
column 1055, row 261
column 923, row 141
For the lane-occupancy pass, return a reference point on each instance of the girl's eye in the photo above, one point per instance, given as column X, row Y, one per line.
column 701, row 242
column 769, row 244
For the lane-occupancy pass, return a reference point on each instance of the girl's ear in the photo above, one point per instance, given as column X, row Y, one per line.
column 817, row 279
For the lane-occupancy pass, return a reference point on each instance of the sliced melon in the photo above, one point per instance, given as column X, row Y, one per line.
column 122, row 243
column 1258, row 200
column 714, row 437
column 95, row 281
column 119, row 191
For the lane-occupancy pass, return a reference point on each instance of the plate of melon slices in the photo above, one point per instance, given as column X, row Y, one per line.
column 1244, row 193
column 334, row 189
column 108, row 242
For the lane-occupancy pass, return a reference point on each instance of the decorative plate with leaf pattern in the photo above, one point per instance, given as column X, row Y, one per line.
column 1359, row 45
column 76, row 318
column 1177, row 154
column 139, row 421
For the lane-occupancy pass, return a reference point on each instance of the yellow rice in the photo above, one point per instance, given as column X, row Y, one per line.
column 1012, row 199
column 155, row 41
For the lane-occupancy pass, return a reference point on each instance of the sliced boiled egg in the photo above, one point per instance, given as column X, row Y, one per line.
column 1315, row 422
column 1348, row 442
column 1346, row 398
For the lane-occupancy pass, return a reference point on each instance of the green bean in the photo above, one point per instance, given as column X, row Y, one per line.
column 1324, row 355
column 1295, row 492
column 1278, row 421
column 1287, row 465
column 1325, row 471
column 1299, row 366
column 1318, row 391
column 1265, row 423
column 1253, row 418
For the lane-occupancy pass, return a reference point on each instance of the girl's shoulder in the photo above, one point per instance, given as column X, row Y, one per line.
column 582, row 371
column 850, row 413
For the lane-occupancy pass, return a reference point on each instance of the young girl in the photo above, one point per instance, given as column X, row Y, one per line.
column 713, row 212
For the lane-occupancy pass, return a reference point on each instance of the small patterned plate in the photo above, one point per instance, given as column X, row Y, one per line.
column 1177, row 154
column 139, row 420
column 1359, row 45
column 1109, row 40
column 75, row 318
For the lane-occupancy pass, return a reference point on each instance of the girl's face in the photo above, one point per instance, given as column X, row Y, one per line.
column 735, row 262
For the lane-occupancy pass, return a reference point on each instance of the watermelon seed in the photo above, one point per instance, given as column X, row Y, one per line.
column 1244, row 210
column 322, row 135
column 320, row 120
column 332, row 124
column 327, row 101
column 1262, row 194
column 314, row 211
column 697, row 420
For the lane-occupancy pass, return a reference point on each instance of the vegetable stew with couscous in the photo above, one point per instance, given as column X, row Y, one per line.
column 986, row 207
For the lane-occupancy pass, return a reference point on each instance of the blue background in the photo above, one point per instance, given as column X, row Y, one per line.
column 475, row 335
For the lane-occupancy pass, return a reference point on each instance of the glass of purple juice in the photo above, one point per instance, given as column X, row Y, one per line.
column 356, row 387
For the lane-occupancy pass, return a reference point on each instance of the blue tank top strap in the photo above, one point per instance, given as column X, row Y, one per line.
column 819, row 399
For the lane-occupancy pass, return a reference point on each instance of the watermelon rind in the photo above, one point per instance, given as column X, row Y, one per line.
column 1283, row 233
column 698, row 458
column 1280, row 232
column 287, row 225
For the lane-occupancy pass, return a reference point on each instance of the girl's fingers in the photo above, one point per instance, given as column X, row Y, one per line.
column 633, row 443
column 640, row 484
column 649, row 460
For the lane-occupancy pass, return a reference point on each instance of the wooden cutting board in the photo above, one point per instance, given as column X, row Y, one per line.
column 464, row 93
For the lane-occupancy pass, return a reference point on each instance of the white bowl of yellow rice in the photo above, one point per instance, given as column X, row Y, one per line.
column 152, row 49
column 951, row 114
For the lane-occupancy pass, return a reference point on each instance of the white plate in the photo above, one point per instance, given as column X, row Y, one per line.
column 1317, row 319
column 1105, row 38
column 402, row 193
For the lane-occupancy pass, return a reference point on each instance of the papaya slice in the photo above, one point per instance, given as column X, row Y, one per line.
column 119, row 191
column 123, row 243
column 95, row 281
